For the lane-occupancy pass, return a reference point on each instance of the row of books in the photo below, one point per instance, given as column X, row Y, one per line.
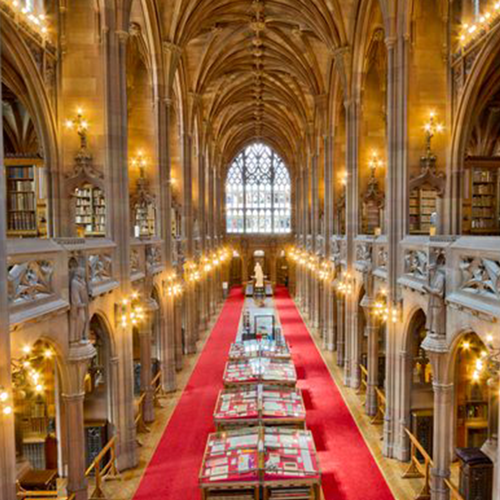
column 22, row 221
column 20, row 172
column 21, row 186
column 21, row 201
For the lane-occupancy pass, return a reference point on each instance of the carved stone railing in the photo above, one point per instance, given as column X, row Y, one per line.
column 37, row 279
column 415, row 255
column 39, row 273
column 380, row 257
column 146, row 258
column 363, row 253
column 473, row 275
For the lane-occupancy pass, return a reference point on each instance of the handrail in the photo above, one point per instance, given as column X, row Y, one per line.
column 381, row 402
column 23, row 494
column 156, row 385
column 103, row 471
column 454, row 493
column 34, row 495
column 363, row 380
column 139, row 419
column 417, row 469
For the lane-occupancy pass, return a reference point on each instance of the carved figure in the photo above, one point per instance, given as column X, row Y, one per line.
column 436, row 310
column 258, row 276
column 79, row 313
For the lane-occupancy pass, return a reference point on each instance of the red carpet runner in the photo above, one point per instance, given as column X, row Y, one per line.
column 349, row 470
column 173, row 471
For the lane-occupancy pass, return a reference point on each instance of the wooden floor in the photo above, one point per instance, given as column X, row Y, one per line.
column 403, row 489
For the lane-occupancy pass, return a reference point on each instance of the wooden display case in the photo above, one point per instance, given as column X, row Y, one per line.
column 90, row 210
column 26, row 203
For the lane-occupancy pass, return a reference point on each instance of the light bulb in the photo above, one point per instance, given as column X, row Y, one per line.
column 4, row 396
column 7, row 410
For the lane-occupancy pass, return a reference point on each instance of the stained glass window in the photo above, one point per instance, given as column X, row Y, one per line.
column 258, row 192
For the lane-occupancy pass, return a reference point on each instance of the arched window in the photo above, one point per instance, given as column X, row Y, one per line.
column 258, row 192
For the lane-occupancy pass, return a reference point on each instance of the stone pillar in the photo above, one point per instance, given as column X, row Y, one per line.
column 7, row 435
column 340, row 330
column 443, row 437
column 145, row 338
column 491, row 445
column 372, row 330
column 73, row 397
column 177, row 315
column 168, row 345
column 437, row 350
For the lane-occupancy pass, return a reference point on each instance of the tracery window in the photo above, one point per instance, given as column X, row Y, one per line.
column 258, row 192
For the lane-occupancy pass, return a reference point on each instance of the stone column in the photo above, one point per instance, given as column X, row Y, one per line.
column 118, row 212
column 145, row 339
column 340, row 330
column 372, row 330
column 491, row 445
column 177, row 315
column 437, row 350
column 7, row 435
column 73, row 397
column 168, row 345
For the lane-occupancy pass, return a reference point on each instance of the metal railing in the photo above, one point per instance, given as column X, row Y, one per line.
column 103, row 467
column 454, row 493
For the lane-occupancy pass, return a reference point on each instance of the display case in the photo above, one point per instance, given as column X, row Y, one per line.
column 259, row 348
column 260, row 405
column 90, row 210
column 281, row 462
column 26, row 200
column 260, row 370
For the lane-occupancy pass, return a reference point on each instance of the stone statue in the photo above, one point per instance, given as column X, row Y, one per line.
column 258, row 276
column 79, row 313
column 436, row 310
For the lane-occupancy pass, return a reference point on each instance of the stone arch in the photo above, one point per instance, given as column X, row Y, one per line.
column 479, row 85
column 21, row 74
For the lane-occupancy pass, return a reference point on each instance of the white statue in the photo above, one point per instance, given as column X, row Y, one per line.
column 79, row 312
column 258, row 276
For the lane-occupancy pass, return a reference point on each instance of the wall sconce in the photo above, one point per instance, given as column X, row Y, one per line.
column 5, row 402
column 129, row 310
column 374, row 163
column 80, row 124
column 431, row 128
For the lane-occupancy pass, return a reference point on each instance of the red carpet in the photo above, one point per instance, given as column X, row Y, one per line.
column 173, row 471
column 349, row 470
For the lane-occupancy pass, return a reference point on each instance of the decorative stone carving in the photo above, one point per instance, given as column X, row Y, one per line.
column 436, row 289
column 30, row 281
column 364, row 253
column 101, row 267
column 153, row 258
column 416, row 263
column 480, row 275
column 382, row 257
column 135, row 261
column 79, row 312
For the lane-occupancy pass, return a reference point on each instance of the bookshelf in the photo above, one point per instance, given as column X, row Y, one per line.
column 423, row 203
column 484, row 201
column 90, row 210
column 26, row 205
column 145, row 219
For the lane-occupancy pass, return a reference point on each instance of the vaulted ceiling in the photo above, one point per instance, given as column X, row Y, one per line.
column 259, row 67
